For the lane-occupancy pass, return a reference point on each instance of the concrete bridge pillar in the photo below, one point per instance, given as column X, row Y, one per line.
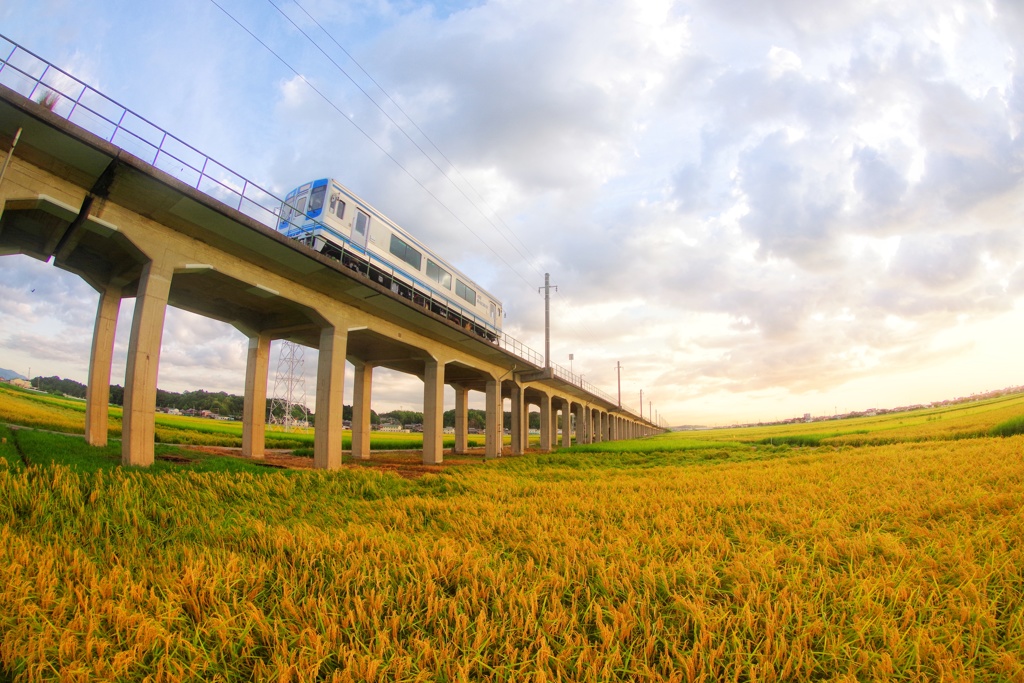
column 362, row 389
column 545, row 422
column 97, row 392
column 433, row 412
column 566, row 425
column 518, row 417
column 580, row 430
column 330, row 384
column 138, row 421
column 461, row 418
column 582, row 433
column 254, row 406
column 494, row 416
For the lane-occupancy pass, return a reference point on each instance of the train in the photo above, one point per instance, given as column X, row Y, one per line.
column 328, row 217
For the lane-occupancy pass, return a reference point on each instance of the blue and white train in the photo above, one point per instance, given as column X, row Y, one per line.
column 328, row 217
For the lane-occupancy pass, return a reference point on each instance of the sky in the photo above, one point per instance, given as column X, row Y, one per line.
column 759, row 208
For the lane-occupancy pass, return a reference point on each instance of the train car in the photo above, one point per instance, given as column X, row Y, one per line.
column 331, row 219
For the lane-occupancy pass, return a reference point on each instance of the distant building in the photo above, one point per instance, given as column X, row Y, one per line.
column 23, row 383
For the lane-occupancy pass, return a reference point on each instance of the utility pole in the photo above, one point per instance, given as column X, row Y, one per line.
column 641, row 404
column 547, row 319
column 618, row 369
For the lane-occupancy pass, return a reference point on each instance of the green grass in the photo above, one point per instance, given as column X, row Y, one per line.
column 9, row 448
column 1010, row 427
column 668, row 442
column 41, row 449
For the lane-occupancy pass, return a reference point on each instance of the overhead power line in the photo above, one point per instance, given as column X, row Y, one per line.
column 528, row 255
column 503, row 233
column 376, row 144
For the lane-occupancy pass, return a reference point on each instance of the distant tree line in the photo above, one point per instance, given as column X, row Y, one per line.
column 230, row 405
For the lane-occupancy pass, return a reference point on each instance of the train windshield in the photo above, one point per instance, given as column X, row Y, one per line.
column 316, row 198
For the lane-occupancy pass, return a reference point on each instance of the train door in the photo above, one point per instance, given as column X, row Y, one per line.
column 494, row 315
column 361, row 228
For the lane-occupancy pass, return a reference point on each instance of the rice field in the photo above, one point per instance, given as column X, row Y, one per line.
column 713, row 557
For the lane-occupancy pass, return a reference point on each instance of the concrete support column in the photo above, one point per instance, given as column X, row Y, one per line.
column 494, row 419
column 362, row 386
column 545, row 423
column 138, row 422
column 518, row 418
column 254, row 406
column 566, row 425
column 581, row 425
column 330, row 386
column 598, row 426
column 433, row 413
column 461, row 419
column 97, row 393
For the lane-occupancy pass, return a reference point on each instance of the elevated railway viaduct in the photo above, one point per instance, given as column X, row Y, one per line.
column 137, row 213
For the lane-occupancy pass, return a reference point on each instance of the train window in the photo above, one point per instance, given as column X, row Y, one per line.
column 405, row 252
column 465, row 292
column 316, row 198
column 300, row 204
column 337, row 206
column 436, row 272
column 362, row 224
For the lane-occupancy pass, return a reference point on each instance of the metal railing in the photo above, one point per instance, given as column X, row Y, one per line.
column 37, row 79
